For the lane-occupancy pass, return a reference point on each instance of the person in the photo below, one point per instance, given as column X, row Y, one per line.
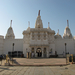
column 32, row 54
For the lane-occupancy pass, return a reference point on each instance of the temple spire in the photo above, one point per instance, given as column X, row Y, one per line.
column 48, row 24
column 39, row 13
column 58, row 31
column 28, row 23
column 67, row 23
column 11, row 23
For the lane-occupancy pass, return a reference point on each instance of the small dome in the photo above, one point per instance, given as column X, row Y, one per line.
column 57, row 36
column 10, row 33
column 28, row 28
column 67, row 33
column 48, row 26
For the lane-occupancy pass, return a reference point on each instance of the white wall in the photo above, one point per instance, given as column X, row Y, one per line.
column 25, row 49
column 52, row 46
column 18, row 45
column 1, row 44
column 39, row 42
column 60, row 46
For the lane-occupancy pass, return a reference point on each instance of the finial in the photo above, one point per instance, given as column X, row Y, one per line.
column 48, row 24
column 67, row 23
column 39, row 13
column 11, row 23
column 28, row 24
column 58, row 31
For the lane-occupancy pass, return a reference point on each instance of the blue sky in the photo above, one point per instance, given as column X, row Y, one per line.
column 21, row 11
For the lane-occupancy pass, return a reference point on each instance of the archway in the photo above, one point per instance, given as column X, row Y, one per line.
column 39, row 52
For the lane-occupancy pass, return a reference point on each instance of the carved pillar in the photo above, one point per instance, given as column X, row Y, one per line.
column 35, row 36
column 35, row 51
column 46, row 35
column 30, row 49
column 31, row 36
column 47, row 52
column 42, row 53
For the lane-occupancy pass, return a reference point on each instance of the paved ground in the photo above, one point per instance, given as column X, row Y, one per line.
column 40, row 61
column 2, row 62
column 45, row 70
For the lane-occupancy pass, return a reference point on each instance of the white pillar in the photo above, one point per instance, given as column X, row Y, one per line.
column 31, row 36
column 42, row 53
column 30, row 49
column 35, row 51
column 47, row 52
column 46, row 36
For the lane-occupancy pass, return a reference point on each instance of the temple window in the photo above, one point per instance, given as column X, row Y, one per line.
column 38, row 37
column 33, row 33
column 32, row 37
column 44, row 37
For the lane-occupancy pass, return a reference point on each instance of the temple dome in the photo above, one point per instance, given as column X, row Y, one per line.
column 38, row 23
column 10, row 33
column 28, row 29
column 48, row 27
column 67, row 33
column 58, row 36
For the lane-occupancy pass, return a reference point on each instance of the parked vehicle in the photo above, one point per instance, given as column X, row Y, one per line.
column 1, row 57
column 4, row 56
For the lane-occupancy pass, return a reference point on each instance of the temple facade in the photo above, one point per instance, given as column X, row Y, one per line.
column 39, row 41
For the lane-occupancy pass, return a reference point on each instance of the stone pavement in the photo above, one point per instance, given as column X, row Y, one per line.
column 2, row 62
column 45, row 70
column 40, row 61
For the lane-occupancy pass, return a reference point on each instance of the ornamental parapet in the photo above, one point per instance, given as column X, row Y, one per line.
column 39, row 30
column 26, row 32
column 38, row 45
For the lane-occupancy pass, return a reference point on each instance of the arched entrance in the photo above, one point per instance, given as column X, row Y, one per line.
column 39, row 52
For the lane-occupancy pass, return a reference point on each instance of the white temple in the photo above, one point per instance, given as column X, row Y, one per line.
column 39, row 41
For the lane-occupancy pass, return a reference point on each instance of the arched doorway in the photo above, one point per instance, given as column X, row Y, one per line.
column 39, row 52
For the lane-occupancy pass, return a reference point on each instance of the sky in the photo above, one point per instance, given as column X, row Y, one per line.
column 57, row 12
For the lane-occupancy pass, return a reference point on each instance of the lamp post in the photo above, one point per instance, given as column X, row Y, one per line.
column 12, row 52
column 13, row 46
column 65, row 52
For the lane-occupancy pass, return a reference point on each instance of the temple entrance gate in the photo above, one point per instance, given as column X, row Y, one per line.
column 39, row 52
